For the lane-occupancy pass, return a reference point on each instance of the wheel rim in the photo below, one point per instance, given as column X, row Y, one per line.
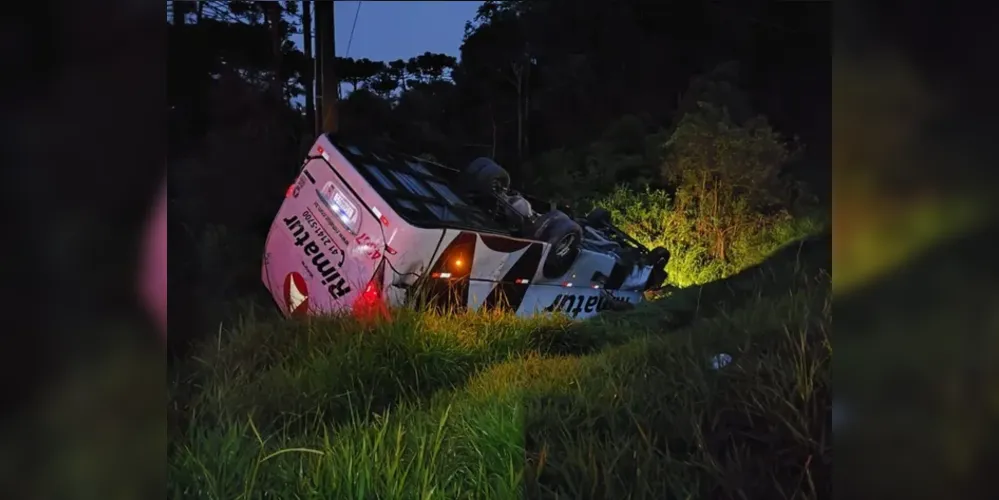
column 564, row 245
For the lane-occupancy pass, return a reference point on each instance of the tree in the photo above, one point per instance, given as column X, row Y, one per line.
column 358, row 71
column 497, row 52
column 718, row 87
column 727, row 175
column 384, row 84
column 429, row 67
column 366, row 69
column 273, row 12
column 397, row 71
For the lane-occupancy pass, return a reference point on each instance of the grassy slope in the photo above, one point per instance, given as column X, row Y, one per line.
column 489, row 406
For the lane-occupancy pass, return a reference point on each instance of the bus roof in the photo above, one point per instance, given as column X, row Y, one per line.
column 420, row 191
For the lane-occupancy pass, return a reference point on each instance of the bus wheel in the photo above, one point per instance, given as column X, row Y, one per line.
column 599, row 217
column 564, row 236
column 485, row 176
column 657, row 258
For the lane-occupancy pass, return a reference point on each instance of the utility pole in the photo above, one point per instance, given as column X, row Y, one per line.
column 310, row 92
column 326, row 46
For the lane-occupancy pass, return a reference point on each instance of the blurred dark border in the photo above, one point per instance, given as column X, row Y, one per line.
column 917, row 364
column 951, row 48
column 84, row 154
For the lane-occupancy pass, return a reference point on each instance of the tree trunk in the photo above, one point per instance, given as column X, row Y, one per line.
column 310, row 77
column 702, row 207
column 517, row 73
column 716, row 223
column 492, row 117
column 325, row 45
column 527, row 109
column 273, row 12
column 520, row 125
column 180, row 10
column 720, row 246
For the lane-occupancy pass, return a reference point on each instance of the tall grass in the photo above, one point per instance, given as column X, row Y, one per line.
column 483, row 405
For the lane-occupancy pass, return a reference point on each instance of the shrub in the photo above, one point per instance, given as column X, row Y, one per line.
column 727, row 204
column 652, row 217
column 729, row 207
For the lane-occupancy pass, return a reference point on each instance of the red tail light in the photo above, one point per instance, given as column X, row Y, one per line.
column 371, row 304
column 290, row 191
column 370, row 295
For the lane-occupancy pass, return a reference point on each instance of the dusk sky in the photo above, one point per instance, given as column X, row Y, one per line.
column 400, row 30
column 387, row 31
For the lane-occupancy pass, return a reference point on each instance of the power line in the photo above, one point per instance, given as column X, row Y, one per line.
column 351, row 39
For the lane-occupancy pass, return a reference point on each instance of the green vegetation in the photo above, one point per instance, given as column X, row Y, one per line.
column 653, row 219
column 712, row 190
column 484, row 405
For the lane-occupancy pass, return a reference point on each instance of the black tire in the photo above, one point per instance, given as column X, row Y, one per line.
column 485, row 176
column 657, row 258
column 599, row 217
column 564, row 237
